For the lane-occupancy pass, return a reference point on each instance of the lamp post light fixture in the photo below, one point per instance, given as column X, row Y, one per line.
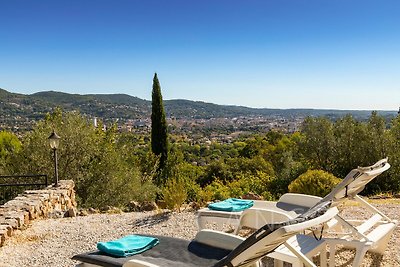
column 54, row 141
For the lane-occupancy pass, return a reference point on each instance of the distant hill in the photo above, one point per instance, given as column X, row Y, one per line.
column 198, row 109
column 110, row 106
column 27, row 108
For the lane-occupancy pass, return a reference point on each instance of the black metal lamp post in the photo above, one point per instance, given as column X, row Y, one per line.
column 54, row 140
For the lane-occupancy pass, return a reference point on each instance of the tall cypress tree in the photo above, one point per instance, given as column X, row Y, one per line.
column 159, row 142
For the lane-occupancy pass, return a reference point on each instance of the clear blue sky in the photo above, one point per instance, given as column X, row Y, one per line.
column 342, row 54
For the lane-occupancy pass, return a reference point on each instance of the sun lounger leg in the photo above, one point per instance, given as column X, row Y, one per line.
column 383, row 242
column 322, row 256
column 278, row 263
column 332, row 251
column 201, row 223
column 359, row 256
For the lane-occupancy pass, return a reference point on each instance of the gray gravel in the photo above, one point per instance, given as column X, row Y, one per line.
column 53, row 242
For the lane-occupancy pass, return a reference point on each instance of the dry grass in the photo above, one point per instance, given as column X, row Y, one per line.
column 385, row 201
column 377, row 201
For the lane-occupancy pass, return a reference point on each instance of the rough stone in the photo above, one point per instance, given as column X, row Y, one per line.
column 161, row 204
column 50, row 202
column 2, row 238
column 93, row 211
column 83, row 213
column 72, row 212
column 252, row 196
column 22, row 217
column 106, row 208
column 56, row 214
column 11, row 222
column 134, row 206
column 195, row 205
column 7, row 229
column 148, row 206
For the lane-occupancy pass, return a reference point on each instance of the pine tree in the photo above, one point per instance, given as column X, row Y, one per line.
column 159, row 142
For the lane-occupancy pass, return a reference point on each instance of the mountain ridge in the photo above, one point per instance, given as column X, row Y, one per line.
column 122, row 106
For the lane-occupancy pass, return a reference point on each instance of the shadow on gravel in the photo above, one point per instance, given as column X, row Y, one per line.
column 152, row 220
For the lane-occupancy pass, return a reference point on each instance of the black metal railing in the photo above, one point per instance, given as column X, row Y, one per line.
column 12, row 185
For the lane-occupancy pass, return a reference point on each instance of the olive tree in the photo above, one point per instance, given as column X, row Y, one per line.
column 87, row 155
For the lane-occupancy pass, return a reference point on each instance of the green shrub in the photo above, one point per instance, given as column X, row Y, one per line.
column 9, row 145
column 204, row 196
column 314, row 182
column 190, row 174
column 174, row 193
column 266, row 195
column 218, row 190
column 250, row 166
column 238, row 188
column 241, row 185
column 216, row 170
column 259, row 183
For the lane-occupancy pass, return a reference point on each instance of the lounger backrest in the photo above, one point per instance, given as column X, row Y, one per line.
column 355, row 181
column 270, row 236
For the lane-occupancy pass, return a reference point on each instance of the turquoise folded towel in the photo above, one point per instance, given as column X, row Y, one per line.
column 128, row 245
column 231, row 204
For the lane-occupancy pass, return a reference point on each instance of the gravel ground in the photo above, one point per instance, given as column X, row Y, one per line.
column 53, row 242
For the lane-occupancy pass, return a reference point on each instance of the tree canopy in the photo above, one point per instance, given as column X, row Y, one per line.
column 159, row 136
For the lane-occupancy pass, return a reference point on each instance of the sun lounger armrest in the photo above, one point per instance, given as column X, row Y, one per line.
column 218, row 239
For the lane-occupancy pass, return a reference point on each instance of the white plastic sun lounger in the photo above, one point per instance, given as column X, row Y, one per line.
column 291, row 205
column 218, row 249
column 369, row 235
column 288, row 206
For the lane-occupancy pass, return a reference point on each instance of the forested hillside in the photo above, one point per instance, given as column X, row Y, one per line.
column 113, row 168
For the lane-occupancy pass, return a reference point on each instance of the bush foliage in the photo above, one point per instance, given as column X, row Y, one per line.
column 90, row 156
column 314, row 182
column 174, row 193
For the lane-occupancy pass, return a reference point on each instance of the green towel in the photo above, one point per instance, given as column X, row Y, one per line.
column 231, row 204
column 128, row 245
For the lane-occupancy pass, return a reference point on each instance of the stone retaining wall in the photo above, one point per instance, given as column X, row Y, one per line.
column 32, row 204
